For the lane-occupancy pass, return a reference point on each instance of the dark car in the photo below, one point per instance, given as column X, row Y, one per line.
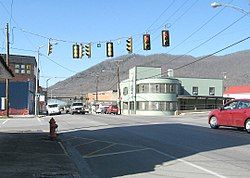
column 112, row 109
column 235, row 113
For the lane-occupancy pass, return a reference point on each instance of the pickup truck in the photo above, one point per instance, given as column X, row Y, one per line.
column 77, row 108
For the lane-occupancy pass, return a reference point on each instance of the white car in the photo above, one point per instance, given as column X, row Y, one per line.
column 53, row 109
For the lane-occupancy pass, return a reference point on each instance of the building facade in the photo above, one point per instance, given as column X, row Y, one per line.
column 22, row 85
column 145, row 92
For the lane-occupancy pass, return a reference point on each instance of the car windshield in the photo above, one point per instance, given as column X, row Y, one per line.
column 77, row 104
column 53, row 105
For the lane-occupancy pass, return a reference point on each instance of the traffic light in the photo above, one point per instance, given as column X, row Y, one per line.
column 88, row 50
column 81, row 51
column 165, row 38
column 49, row 48
column 129, row 45
column 75, row 51
column 110, row 52
column 146, row 42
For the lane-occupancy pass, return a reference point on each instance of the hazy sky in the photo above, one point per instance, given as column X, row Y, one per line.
column 33, row 22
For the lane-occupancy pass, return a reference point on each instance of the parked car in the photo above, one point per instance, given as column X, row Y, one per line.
column 102, row 110
column 53, row 109
column 77, row 107
column 235, row 113
column 112, row 109
column 67, row 108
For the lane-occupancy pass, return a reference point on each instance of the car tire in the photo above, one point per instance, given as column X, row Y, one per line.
column 213, row 122
column 247, row 125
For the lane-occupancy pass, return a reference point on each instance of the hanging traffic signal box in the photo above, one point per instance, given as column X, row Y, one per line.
column 75, row 51
column 88, row 50
column 146, row 42
column 110, row 52
column 165, row 38
column 81, row 51
column 129, row 45
column 49, row 48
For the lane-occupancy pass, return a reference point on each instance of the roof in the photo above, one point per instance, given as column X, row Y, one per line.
column 21, row 59
column 5, row 71
column 237, row 90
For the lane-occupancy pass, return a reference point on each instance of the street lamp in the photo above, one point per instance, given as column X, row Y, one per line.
column 216, row 4
column 37, row 79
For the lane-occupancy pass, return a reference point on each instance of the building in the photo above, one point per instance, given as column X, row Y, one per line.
column 5, row 72
column 102, row 97
column 238, row 92
column 197, row 93
column 22, row 85
column 145, row 92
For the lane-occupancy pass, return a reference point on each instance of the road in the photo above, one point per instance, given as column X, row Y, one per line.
column 144, row 146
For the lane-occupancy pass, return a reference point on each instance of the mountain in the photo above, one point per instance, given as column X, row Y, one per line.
column 233, row 67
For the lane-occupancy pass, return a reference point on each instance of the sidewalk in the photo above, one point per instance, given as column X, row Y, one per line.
column 34, row 155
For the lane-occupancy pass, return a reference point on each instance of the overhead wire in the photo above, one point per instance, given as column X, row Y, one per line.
column 205, row 57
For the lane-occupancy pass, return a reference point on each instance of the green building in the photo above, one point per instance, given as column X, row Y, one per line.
column 145, row 92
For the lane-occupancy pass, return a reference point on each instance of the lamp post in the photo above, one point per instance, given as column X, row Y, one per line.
column 217, row 4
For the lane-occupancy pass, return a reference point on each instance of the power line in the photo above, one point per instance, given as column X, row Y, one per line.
column 205, row 57
column 160, row 16
column 58, row 64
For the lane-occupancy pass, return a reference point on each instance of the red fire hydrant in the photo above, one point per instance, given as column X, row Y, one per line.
column 52, row 128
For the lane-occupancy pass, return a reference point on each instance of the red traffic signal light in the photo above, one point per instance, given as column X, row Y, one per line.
column 165, row 38
column 146, row 42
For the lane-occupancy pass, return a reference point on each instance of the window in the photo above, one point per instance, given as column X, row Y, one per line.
column 211, row 90
column 143, row 88
column 195, row 91
column 155, row 88
column 125, row 90
column 28, row 69
column 163, row 88
column 22, row 69
column 17, row 68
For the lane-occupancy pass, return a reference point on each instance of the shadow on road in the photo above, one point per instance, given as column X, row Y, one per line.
column 130, row 150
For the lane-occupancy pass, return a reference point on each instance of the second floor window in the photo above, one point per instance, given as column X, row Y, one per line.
column 195, row 91
column 211, row 90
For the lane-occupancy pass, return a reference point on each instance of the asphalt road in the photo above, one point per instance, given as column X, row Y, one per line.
column 144, row 146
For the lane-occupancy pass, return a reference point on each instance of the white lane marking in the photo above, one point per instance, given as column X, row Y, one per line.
column 116, row 153
column 4, row 122
column 39, row 120
column 64, row 150
column 189, row 163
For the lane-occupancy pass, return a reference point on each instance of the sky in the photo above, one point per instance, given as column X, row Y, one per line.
column 195, row 29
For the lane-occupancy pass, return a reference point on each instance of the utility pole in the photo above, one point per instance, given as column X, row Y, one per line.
column 96, row 89
column 118, row 86
column 7, row 63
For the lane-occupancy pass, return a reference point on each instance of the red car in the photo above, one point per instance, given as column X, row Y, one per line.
column 235, row 113
column 112, row 109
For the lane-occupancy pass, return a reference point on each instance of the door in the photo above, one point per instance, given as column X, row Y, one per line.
column 225, row 116
column 239, row 115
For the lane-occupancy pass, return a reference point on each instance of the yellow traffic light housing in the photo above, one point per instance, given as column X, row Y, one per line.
column 75, row 51
column 49, row 48
column 81, row 50
column 110, row 52
column 146, row 42
column 88, row 50
column 129, row 45
column 165, row 38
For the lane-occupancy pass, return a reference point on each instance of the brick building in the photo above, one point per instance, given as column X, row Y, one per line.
column 22, row 85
